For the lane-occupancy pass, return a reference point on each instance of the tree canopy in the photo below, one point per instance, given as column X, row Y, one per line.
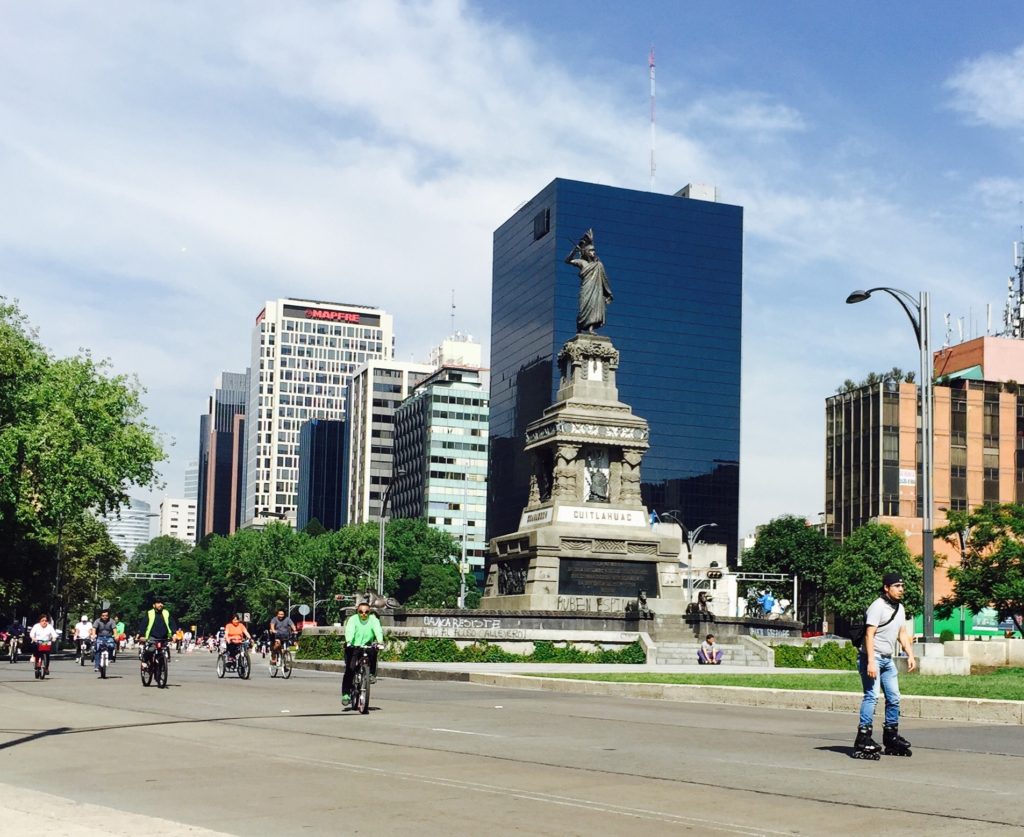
column 73, row 438
column 854, row 578
column 991, row 571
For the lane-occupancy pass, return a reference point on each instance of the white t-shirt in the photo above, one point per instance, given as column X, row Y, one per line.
column 886, row 637
column 83, row 630
column 41, row 634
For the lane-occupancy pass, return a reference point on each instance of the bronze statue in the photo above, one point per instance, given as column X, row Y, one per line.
column 595, row 292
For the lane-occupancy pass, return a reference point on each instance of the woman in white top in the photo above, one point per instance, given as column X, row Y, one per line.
column 42, row 633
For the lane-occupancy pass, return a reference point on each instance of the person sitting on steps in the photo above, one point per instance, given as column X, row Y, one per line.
column 708, row 655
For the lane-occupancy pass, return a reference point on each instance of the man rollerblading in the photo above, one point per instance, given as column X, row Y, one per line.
column 885, row 630
column 894, row 743
column 865, row 747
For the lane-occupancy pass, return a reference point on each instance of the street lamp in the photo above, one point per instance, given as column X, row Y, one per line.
column 287, row 587
column 311, row 583
column 917, row 312
column 691, row 541
column 380, row 544
column 361, row 570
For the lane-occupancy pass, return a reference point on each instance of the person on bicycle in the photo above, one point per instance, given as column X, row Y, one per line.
column 282, row 629
column 15, row 632
column 82, row 635
column 362, row 629
column 103, row 631
column 156, row 625
column 120, row 638
column 42, row 633
column 235, row 633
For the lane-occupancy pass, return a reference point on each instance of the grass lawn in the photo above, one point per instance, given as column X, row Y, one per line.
column 999, row 684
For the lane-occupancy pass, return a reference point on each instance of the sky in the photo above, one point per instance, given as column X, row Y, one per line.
column 166, row 167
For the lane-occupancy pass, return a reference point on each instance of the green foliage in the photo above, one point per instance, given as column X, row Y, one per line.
column 788, row 545
column 314, row 528
column 854, row 579
column 321, row 647
column 991, row 569
column 829, row 655
column 72, row 440
column 446, row 651
column 946, row 635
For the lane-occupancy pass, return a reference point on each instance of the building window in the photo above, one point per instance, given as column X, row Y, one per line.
column 541, row 224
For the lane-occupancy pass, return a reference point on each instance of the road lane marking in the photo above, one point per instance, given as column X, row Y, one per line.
column 464, row 732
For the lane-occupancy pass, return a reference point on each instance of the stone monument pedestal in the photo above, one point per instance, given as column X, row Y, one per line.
column 584, row 542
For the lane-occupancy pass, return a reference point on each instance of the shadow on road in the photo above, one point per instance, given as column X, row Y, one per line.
column 25, row 739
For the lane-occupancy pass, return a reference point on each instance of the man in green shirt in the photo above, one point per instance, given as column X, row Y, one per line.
column 361, row 629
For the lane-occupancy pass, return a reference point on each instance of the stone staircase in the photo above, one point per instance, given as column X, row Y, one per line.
column 739, row 653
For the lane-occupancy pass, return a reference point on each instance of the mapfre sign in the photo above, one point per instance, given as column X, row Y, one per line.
column 333, row 316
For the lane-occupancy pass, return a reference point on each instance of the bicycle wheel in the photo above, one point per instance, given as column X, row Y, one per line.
column 222, row 665
column 161, row 674
column 286, row 664
column 103, row 664
column 81, row 654
column 243, row 666
column 363, row 695
column 146, row 673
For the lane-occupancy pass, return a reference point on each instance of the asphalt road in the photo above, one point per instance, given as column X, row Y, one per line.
column 83, row 756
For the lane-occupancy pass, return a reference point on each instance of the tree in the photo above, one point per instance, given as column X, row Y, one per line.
column 789, row 546
column 854, row 578
column 410, row 545
column 991, row 571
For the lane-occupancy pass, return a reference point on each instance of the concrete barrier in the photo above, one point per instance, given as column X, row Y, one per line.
column 991, row 653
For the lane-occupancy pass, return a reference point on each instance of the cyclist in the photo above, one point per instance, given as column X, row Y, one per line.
column 235, row 633
column 14, row 634
column 83, row 632
column 179, row 638
column 42, row 633
column 120, row 638
column 103, row 631
column 155, row 625
column 362, row 629
column 282, row 629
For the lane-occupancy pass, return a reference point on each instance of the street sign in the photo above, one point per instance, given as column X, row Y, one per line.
column 246, row 617
column 303, row 609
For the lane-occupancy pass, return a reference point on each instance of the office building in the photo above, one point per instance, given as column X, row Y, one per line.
column 191, row 489
column 131, row 527
column 178, row 519
column 872, row 445
column 222, row 457
column 303, row 355
column 675, row 265
column 321, row 461
column 377, row 388
column 441, row 435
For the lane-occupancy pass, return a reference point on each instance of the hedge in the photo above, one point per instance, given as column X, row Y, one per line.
column 829, row 655
column 331, row 647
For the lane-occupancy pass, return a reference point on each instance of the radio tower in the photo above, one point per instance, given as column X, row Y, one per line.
column 650, row 64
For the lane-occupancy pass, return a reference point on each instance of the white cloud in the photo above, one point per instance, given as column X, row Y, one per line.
column 990, row 89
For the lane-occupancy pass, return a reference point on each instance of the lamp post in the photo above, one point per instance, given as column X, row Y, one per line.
column 380, row 544
column 917, row 312
column 287, row 587
column 311, row 582
column 362, row 571
column 691, row 541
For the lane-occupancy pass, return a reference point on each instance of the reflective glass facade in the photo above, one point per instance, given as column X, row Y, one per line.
column 675, row 267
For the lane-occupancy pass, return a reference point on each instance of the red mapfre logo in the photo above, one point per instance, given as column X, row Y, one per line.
column 337, row 316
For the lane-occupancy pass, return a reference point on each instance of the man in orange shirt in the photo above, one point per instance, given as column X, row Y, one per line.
column 235, row 633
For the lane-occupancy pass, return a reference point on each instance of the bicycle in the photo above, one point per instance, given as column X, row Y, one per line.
column 282, row 664
column 238, row 663
column 156, row 667
column 83, row 651
column 42, row 656
column 13, row 642
column 361, row 680
column 103, row 644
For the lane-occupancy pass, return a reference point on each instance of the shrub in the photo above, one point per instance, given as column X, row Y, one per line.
column 830, row 655
column 946, row 635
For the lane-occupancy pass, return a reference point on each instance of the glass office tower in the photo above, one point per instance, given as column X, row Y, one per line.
column 675, row 265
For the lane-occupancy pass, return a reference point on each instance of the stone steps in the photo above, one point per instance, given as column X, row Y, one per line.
column 685, row 653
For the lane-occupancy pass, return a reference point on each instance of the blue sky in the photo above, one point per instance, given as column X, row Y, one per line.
column 167, row 167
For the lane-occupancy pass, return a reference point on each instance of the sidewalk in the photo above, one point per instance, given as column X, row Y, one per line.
column 515, row 676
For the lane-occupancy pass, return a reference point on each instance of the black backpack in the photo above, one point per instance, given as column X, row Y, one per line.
column 857, row 632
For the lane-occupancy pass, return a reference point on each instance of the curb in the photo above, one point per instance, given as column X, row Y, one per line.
column 919, row 707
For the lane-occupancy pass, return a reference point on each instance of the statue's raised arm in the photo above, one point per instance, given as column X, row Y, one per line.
column 595, row 292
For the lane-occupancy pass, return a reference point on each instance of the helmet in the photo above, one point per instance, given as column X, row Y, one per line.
column 84, row 618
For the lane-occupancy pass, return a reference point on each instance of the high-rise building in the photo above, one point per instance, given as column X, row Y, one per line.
column 178, row 518
column 303, row 355
column 221, row 457
column 441, row 456
column 191, row 491
column 675, row 265
column 377, row 388
column 321, row 461
column 872, row 446
column 132, row 527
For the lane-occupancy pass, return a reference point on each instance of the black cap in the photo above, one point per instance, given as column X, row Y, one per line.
column 890, row 579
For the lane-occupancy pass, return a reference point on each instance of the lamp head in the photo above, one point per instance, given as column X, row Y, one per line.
column 858, row 296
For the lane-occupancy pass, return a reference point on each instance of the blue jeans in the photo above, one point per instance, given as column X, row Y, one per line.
column 101, row 643
column 889, row 681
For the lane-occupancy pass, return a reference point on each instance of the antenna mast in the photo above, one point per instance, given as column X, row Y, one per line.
column 453, row 310
column 650, row 64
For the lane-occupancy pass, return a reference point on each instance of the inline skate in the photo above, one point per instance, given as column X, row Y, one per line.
column 865, row 747
column 894, row 743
